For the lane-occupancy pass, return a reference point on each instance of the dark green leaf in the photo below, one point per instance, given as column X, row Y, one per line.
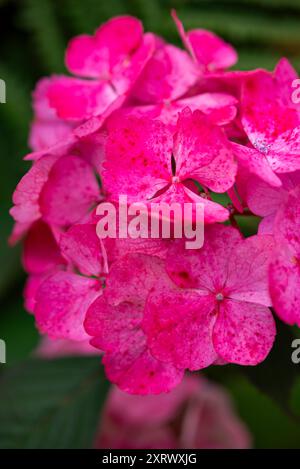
column 270, row 426
column 51, row 403
column 276, row 375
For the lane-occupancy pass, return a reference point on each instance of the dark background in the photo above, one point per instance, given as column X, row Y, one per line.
column 33, row 37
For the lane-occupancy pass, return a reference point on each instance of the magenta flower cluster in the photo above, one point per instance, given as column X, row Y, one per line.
column 143, row 118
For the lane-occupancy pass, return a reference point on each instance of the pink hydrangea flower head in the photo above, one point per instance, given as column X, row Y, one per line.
column 144, row 119
column 203, row 411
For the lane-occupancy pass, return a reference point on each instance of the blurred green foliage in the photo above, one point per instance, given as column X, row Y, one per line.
column 51, row 403
column 34, row 34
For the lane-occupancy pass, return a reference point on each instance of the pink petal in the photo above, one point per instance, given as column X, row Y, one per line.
column 18, row 231
column 27, row 193
column 61, row 305
column 46, row 134
column 40, row 102
column 131, row 279
column 284, row 269
column 247, row 272
column 32, row 285
column 219, row 107
column 179, row 193
column 58, row 149
column 162, row 78
column 287, row 222
column 114, row 321
column 236, row 198
column 210, row 51
column 113, row 327
column 75, row 99
column 152, row 111
column 213, row 212
column 178, row 325
column 266, row 226
column 284, row 75
column 46, row 129
column 285, row 285
column 138, row 158
column 85, row 58
column 202, row 152
column 283, row 155
column 255, row 163
column 290, row 180
column 95, row 56
column 41, row 251
column 91, row 149
column 244, row 332
column 126, row 74
column 206, row 268
column 153, row 247
column 194, row 142
column 219, row 175
column 264, row 115
column 263, row 199
column 70, row 192
column 81, row 246
column 116, row 316
column 95, row 124
column 139, row 373
column 121, row 35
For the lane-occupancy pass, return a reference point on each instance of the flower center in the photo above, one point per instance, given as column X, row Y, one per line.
column 175, row 179
column 219, row 297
